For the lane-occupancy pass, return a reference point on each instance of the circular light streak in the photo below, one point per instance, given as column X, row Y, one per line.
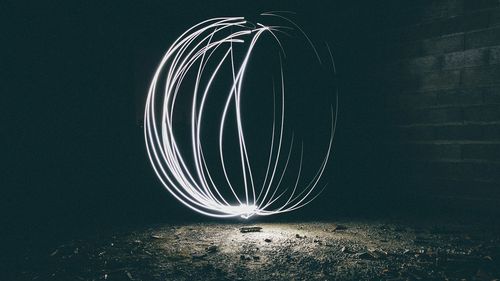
column 193, row 185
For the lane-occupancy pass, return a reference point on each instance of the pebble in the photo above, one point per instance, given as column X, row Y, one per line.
column 250, row 229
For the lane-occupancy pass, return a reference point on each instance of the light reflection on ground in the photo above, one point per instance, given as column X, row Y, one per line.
column 279, row 251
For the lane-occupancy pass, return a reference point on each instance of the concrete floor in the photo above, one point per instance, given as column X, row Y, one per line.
column 344, row 250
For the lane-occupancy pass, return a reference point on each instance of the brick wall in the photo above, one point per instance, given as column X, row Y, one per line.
column 438, row 73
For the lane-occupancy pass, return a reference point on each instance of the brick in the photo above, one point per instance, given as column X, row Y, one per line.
column 495, row 17
column 440, row 115
column 491, row 132
column 481, row 76
column 476, row 20
column 444, row 44
column 439, row 80
column 494, row 57
column 417, row 133
column 439, row 9
column 430, row 151
column 468, row 58
column 452, row 25
column 484, row 171
column 481, row 151
column 491, row 95
column 421, row 64
column 420, row 31
column 441, row 151
column 465, row 190
column 466, row 193
column 480, row 4
column 417, row 100
column 467, row 170
column 447, row 169
column 459, row 132
column 482, row 38
column 460, row 97
column 484, row 113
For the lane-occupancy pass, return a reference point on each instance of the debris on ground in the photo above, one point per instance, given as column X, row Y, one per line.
column 210, row 251
column 245, row 257
column 365, row 256
column 196, row 256
column 318, row 241
column 378, row 253
column 337, row 227
column 247, row 229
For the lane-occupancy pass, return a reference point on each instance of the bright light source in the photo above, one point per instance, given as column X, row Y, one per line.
column 193, row 185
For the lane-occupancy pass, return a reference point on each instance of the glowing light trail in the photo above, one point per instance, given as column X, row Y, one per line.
column 195, row 186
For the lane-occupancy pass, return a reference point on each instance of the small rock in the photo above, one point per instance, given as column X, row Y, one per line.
column 421, row 240
column 268, row 240
column 197, row 256
column 438, row 262
column 365, row 256
column 211, row 249
column 399, row 229
column 156, row 236
column 378, row 253
column 487, row 258
column 300, row 236
column 256, row 258
column 245, row 258
column 121, row 275
column 250, row 229
column 337, row 227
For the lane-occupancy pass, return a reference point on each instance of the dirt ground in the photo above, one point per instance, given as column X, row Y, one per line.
column 343, row 250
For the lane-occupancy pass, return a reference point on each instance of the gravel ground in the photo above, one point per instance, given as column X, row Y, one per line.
column 343, row 250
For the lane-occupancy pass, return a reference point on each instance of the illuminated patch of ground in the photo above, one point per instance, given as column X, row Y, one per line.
column 279, row 251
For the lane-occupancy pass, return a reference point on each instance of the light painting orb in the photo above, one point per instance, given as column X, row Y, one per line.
column 197, row 58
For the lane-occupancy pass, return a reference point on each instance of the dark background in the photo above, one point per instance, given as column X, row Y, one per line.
column 419, row 129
